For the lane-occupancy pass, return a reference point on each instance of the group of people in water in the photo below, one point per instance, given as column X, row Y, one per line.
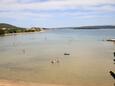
column 56, row 60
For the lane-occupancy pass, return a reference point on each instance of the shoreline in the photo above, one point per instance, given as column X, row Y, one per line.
column 11, row 34
column 21, row 83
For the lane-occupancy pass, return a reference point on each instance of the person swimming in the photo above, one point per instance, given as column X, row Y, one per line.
column 55, row 61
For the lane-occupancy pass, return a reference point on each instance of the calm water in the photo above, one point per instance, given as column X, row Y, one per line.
column 27, row 57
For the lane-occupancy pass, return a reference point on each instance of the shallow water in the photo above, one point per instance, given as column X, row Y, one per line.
column 27, row 57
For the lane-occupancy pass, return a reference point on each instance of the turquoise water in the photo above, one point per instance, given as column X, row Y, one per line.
column 27, row 57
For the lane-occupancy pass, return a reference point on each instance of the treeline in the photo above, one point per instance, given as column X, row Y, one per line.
column 13, row 30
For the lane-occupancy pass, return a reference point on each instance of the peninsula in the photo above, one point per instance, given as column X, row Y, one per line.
column 7, row 29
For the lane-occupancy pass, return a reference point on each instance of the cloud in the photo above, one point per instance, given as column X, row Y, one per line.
column 50, row 4
column 45, row 9
column 25, row 15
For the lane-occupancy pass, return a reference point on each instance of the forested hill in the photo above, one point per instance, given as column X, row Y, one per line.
column 8, row 26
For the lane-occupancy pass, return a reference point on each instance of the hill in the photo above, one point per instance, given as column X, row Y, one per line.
column 4, row 25
column 90, row 27
column 7, row 28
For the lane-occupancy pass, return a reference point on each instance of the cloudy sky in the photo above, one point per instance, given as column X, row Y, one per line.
column 57, row 13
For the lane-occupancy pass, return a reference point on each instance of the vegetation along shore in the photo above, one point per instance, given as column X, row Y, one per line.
column 6, row 29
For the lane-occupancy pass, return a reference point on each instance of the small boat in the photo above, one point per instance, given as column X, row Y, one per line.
column 66, row 54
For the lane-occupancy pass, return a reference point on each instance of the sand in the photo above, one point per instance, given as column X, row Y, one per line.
column 16, row 83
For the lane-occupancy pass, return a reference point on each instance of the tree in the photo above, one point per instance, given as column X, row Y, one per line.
column 2, row 32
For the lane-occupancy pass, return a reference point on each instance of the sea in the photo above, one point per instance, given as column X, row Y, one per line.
column 40, row 57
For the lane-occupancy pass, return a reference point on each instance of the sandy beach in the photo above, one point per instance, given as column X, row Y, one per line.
column 16, row 83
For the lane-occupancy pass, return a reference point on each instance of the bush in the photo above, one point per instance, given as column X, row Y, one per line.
column 2, row 32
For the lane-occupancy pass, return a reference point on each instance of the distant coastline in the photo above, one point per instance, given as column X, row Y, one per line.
column 8, row 29
column 90, row 27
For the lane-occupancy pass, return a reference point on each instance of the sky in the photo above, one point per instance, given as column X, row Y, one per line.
column 57, row 13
